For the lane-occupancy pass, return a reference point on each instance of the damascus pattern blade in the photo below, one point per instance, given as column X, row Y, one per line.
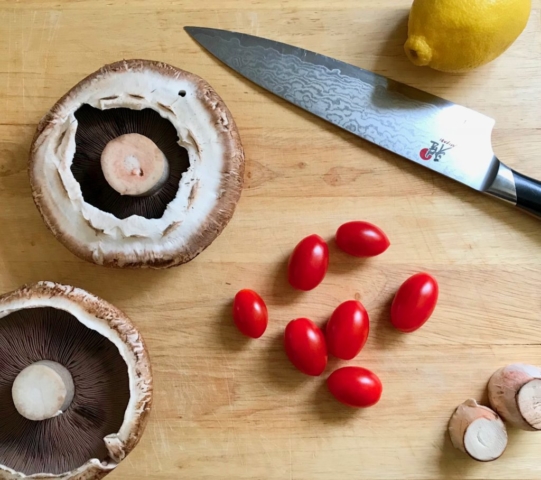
column 435, row 133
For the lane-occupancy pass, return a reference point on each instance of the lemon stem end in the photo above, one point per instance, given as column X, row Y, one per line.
column 418, row 51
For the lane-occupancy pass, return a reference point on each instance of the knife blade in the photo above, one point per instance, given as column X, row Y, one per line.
column 450, row 139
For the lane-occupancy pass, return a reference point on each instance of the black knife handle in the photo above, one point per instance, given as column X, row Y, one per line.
column 528, row 193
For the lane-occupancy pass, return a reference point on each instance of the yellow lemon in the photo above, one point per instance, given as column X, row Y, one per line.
column 459, row 35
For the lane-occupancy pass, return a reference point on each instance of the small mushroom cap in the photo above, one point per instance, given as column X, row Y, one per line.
column 514, row 391
column 478, row 431
column 207, row 192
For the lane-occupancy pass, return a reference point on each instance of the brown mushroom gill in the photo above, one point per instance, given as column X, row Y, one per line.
column 100, row 376
column 96, row 128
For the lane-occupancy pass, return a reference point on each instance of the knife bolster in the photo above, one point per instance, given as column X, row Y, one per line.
column 503, row 185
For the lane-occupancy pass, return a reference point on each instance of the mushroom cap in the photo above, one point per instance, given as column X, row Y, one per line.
column 512, row 392
column 109, row 322
column 208, row 191
column 478, row 431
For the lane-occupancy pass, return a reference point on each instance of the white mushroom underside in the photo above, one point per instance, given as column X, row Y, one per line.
column 485, row 439
column 199, row 189
column 529, row 402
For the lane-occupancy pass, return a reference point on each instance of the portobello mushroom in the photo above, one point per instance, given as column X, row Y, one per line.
column 139, row 165
column 75, row 384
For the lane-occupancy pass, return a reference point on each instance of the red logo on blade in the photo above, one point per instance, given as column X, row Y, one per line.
column 437, row 150
column 424, row 154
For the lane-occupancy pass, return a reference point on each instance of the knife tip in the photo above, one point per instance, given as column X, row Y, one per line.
column 191, row 30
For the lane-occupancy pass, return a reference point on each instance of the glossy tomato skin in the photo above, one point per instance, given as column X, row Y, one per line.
column 355, row 386
column 414, row 302
column 250, row 313
column 347, row 330
column 305, row 346
column 308, row 263
column 361, row 239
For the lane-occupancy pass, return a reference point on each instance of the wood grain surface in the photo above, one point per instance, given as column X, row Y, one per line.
column 228, row 408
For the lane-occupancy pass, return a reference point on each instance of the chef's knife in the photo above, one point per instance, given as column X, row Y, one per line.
column 447, row 138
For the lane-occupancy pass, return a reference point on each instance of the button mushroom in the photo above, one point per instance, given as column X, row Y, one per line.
column 477, row 431
column 75, row 384
column 138, row 165
column 514, row 391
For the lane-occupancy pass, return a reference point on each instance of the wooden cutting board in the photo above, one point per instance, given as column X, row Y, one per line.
column 227, row 408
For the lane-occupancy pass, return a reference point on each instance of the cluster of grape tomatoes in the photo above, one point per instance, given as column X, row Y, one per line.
column 306, row 345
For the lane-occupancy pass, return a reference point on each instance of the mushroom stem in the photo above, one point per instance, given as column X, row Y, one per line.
column 477, row 431
column 514, row 392
column 134, row 165
column 43, row 390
